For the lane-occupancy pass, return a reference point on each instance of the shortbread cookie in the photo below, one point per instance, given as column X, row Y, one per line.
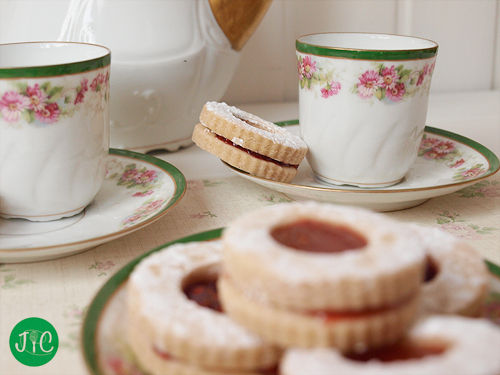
column 435, row 346
column 457, row 280
column 311, row 274
column 176, row 326
column 248, row 142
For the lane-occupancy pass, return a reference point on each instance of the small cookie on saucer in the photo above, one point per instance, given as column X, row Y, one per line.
column 248, row 142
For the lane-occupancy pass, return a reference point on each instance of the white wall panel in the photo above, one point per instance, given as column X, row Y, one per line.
column 260, row 73
column 465, row 32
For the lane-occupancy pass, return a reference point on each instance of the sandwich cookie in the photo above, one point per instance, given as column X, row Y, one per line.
column 248, row 142
column 437, row 345
column 311, row 274
column 176, row 323
column 456, row 280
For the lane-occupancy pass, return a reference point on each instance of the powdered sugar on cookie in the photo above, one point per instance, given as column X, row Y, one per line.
column 255, row 124
column 176, row 325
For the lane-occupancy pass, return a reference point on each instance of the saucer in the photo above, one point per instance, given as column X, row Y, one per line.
column 434, row 173
column 138, row 189
column 104, row 333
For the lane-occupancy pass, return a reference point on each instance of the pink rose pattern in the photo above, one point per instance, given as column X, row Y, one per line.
column 483, row 189
column 141, row 213
column 310, row 75
column 142, row 181
column 138, row 177
column 145, row 180
column 393, row 83
column 45, row 104
column 453, row 223
column 443, row 150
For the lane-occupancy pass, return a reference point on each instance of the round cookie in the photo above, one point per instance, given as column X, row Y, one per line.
column 437, row 345
column 457, row 280
column 175, row 325
column 280, row 281
column 248, row 142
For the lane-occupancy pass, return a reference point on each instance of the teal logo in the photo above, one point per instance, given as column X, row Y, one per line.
column 34, row 342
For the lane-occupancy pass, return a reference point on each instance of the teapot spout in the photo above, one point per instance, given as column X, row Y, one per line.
column 238, row 19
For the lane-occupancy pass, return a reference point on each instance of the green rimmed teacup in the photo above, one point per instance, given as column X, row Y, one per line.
column 54, row 127
column 363, row 104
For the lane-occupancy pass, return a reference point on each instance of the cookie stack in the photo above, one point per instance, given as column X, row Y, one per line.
column 311, row 288
column 350, row 291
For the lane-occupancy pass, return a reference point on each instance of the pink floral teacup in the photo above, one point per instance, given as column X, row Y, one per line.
column 54, row 127
column 363, row 104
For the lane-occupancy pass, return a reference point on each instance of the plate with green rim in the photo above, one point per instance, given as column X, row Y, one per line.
column 435, row 173
column 138, row 190
column 104, row 344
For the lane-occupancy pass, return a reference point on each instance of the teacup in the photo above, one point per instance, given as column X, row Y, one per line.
column 54, row 127
column 363, row 104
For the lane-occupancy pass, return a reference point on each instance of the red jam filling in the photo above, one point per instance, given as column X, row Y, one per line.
column 204, row 293
column 318, row 237
column 163, row 355
column 329, row 316
column 400, row 351
column 431, row 270
column 255, row 154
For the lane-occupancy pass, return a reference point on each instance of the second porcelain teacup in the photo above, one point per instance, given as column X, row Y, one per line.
column 363, row 104
column 54, row 128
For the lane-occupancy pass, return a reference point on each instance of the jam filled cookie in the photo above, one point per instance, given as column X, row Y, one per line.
column 456, row 280
column 311, row 274
column 435, row 346
column 248, row 142
column 176, row 323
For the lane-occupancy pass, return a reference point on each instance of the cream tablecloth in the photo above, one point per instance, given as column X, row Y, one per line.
column 60, row 291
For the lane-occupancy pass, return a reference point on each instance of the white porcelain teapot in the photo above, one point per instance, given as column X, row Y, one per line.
column 168, row 56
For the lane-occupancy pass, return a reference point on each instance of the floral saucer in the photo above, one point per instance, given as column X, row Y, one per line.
column 138, row 189
column 104, row 332
column 447, row 162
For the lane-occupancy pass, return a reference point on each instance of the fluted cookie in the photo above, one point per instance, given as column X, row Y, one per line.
column 457, row 280
column 248, row 142
column 176, row 323
column 311, row 274
column 435, row 346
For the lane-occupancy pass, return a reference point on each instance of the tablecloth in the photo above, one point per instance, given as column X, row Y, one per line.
column 61, row 290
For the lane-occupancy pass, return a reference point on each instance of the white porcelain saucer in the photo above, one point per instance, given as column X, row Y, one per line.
column 138, row 190
column 447, row 162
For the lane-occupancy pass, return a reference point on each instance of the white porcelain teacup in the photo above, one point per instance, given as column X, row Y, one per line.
column 363, row 104
column 54, row 127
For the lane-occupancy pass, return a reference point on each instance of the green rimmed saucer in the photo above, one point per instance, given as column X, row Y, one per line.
column 466, row 163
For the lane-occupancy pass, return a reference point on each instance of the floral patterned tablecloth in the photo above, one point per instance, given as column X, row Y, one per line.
column 60, row 291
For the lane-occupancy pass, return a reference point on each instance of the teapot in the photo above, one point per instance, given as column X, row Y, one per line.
column 168, row 56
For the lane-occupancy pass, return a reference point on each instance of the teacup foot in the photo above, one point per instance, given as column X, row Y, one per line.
column 41, row 218
column 363, row 185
